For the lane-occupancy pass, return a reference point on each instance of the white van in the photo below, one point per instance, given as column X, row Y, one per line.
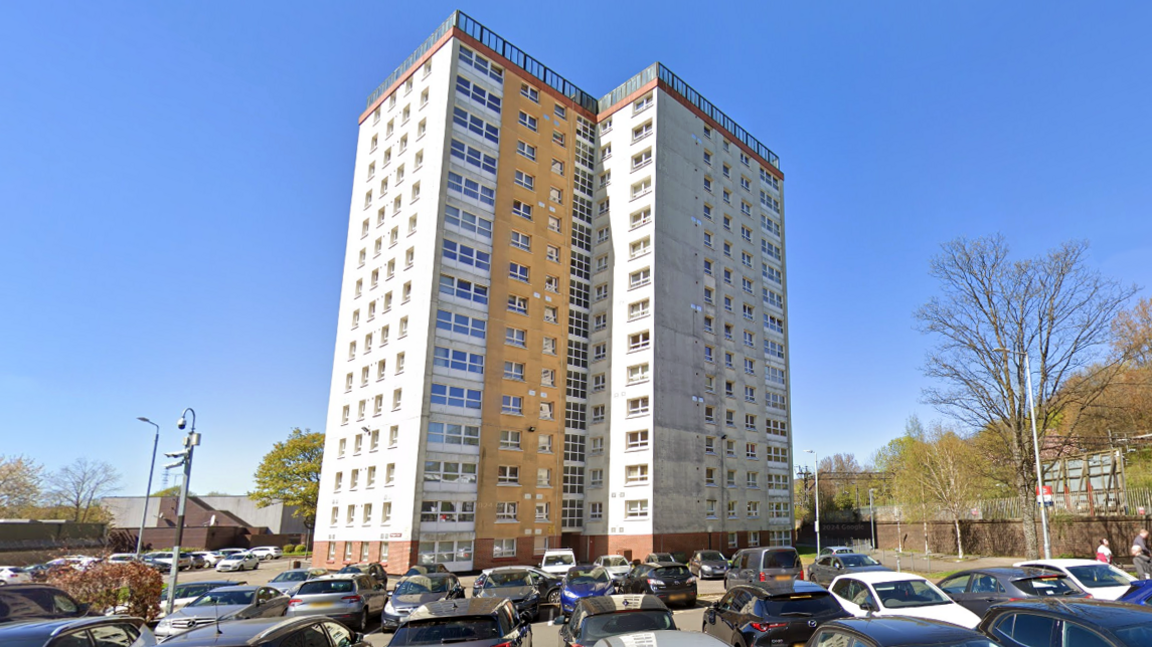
column 557, row 561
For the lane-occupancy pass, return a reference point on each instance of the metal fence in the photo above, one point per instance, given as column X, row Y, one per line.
column 1105, row 503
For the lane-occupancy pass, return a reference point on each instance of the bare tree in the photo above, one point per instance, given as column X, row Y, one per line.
column 19, row 485
column 991, row 311
column 81, row 485
column 946, row 467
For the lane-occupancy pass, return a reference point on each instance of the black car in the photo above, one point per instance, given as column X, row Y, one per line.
column 896, row 631
column 708, row 563
column 424, row 569
column 521, row 586
column 976, row 590
column 673, row 583
column 373, row 570
column 415, row 591
column 271, row 632
column 827, row 568
column 1068, row 623
column 484, row 622
column 546, row 583
column 613, row 615
column 76, row 632
column 773, row 613
column 21, row 601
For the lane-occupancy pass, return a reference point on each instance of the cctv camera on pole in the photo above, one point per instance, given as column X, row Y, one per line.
column 185, row 456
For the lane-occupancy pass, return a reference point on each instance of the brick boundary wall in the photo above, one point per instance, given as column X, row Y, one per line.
column 1071, row 537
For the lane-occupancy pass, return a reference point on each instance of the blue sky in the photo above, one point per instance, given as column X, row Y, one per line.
column 176, row 180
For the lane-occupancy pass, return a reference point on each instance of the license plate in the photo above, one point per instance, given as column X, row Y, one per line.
column 678, row 596
column 783, row 577
column 322, row 604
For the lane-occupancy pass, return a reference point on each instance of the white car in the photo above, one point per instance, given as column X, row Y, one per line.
column 557, row 561
column 14, row 575
column 238, row 562
column 1103, row 581
column 210, row 558
column 898, row 594
column 267, row 552
column 122, row 558
column 617, row 565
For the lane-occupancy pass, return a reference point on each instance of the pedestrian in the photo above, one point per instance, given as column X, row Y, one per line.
column 1103, row 552
column 1142, row 541
column 1142, row 563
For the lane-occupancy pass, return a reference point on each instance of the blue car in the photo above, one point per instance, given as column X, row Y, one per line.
column 1139, row 593
column 584, row 581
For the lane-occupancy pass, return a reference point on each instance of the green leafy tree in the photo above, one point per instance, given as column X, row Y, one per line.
column 20, row 480
column 170, row 491
column 290, row 474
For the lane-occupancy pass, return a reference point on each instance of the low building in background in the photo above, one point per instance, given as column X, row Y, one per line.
column 210, row 522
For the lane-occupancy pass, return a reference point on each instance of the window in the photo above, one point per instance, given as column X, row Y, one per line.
column 557, row 137
column 451, row 434
column 595, row 511
column 465, row 255
column 550, row 345
column 642, row 217
column 733, row 513
column 543, row 512
column 471, row 189
column 636, row 509
column 641, row 104
column 553, row 253
column 394, row 435
column 710, row 508
column 558, row 167
column 710, row 476
column 640, row 278
column 512, row 405
column 514, row 371
column 707, row 184
column 556, row 195
column 506, row 512
column 598, row 413
column 544, row 444
column 508, row 475
column 477, row 94
column 448, row 512
column 643, row 158
column 454, row 396
column 548, row 377
column 521, row 209
column 642, row 187
column 543, row 477
column 596, row 445
column 709, row 354
column 449, row 472
column 636, row 440
column 463, row 289
column 638, row 309
column 638, row 373
column 596, row 478
column 517, row 304
column 601, row 292
column 509, row 439
column 639, row 341
column 547, row 410
column 530, row 92
column 752, row 480
column 638, row 406
column 518, row 272
column 640, row 247
column 525, row 180
column 528, row 121
column 554, row 224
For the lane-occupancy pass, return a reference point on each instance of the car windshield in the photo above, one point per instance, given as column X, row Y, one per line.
column 614, row 624
column 1047, row 585
column 780, row 559
column 712, row 556
column 349, row 569
column 512, row 578
column 238, row 556
column 291, row 576
column 319, row 587
column 858, row 560
column 190, row 590
column 910, row 593
column 671, row 571
column 1135, row 635
column 222, row 598
column 559, row 560
column 613, row 561
column 419, row 584
column 448, row 630
column 1095, row 576
column 808, row 604
column 587, row 576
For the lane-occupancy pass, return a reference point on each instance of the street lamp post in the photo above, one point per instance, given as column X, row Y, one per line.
column 185, row 456
column 148, row 491
column 816, row 457
column 872, row 515
column 1036, row 451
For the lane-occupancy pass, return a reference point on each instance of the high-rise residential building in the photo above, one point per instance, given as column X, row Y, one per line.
column 562, row 320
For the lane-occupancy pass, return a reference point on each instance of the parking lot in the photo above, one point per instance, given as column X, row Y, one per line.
column 544, row 633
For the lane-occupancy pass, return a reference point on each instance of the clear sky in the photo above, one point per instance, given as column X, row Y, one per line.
column 175, row 181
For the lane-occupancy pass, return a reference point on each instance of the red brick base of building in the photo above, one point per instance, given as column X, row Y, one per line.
column 398, row 558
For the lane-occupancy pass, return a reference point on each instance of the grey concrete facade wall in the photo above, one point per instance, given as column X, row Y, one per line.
column 277, row 518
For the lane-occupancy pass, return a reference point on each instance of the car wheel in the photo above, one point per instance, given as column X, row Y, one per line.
column 256, row 565
column 363, row 624
column 554, row 596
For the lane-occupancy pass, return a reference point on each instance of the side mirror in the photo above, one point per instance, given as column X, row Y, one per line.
column 839, row 567
column 868, row 607
column 83, row 608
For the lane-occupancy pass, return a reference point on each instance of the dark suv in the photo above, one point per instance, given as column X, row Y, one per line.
column 771, row 613
column 475, row 622
column 753, row 565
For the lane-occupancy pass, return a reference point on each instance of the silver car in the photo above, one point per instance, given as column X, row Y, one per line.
column 223, row 604
column 351, row 598
column 238, row 562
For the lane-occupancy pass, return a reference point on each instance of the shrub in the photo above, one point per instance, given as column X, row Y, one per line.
column 131, row 586
column 289, row 548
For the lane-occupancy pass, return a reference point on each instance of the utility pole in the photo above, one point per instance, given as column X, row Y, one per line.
column 185, row 456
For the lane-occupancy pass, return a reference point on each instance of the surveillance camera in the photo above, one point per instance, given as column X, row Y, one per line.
column 179, row 454
column 174, row 465
column 180, row 423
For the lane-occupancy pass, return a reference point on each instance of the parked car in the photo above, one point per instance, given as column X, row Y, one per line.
column 288, row 581
column 616, row 565
column 424, row 569
column 664, row 638
column 210, row 557
column 753, row 565
column 1103, row 581
column 38, row 572
column 14, row 575
column 1139, row 593
column 271, row 632
column 978, row 589
column 23, row 601
column 483, row 622
column 1068, row 623
column 671, row 582
column 898, row 594
column 898, row 631
column 826, row 568
column 376, row 571
column 230, row 551
column 164, row 559
column 238, row 562
column 835, row 550
column 349, row 597
column 660, row 558
column 223, row 604
column 198, row 561
column 585, row 581
column 519, row 585
column 547, row 586
column 188, row 592
column 122, row 558
column 557, row 561
column 598, row 618
column 267, row 552
column 708, row 563
column 772, row 613
column 415, row 591
column 103, row 631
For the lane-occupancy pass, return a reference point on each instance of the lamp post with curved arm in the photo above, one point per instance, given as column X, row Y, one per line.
column 1035, row 449
column 148, row 491
column 816, row 458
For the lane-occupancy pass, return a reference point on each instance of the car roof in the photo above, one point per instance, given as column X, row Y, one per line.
column 338, row 576
column 1009, row 571
column 238, row 587
column 607, row 556
column 429, row 576
column 509, row 569
column 46, row 627
column 1058, row 562
column 1105, row 613
column 895, row 630
column 222, row 583
column 457, row 608
column 663, row 564
column 874, row 577
column 775, row 588
column 616, row 603
column 663, row 638
column 241, row 632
